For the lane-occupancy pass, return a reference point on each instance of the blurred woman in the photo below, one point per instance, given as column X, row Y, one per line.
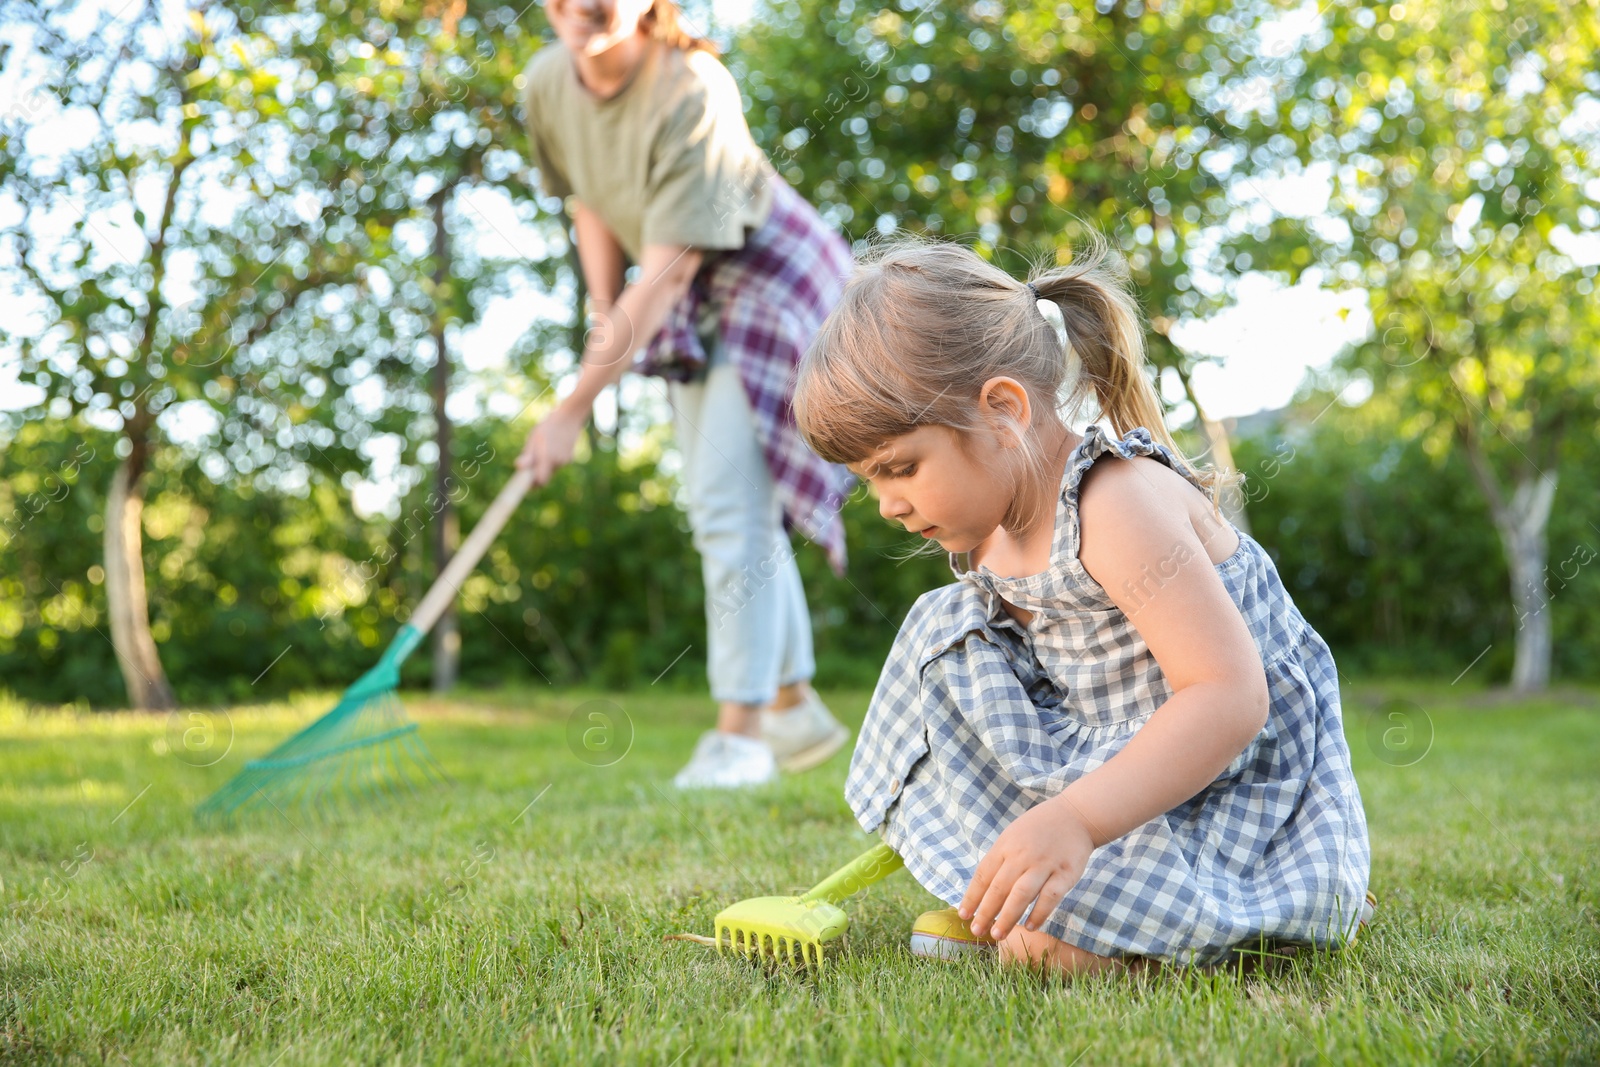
column 636, row 123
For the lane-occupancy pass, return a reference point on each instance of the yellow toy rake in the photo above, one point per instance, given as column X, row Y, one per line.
column 800, row 929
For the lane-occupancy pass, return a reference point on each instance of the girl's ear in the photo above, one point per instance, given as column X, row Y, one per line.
column 1004, row 403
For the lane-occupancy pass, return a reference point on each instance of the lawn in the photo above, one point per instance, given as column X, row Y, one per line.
column 517, row 914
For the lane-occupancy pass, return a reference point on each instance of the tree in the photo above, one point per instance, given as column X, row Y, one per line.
column 163, row 259
column 438, row 83
column 1021, row 125
column 1460, row 145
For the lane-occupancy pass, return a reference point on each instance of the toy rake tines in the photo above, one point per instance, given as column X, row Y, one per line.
column 753, row 944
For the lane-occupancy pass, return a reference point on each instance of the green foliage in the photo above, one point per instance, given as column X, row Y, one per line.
column 259, row 593
column 183, row 306
column 234, row 576
column 597, row 580
column 1019, row 125
column 51, row 492
column 1385, row 548
column 299, row 154
column 428, row 97
column 1462, row 144
column 1459, row 141
column 346, row 133
column 1389, row 553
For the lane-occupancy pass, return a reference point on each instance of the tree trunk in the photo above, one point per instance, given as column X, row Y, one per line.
column 1220, row 451
column 446, row 529
column 1523, row 533
column 1231, row 502
column 126, row 601
column 1523, row 525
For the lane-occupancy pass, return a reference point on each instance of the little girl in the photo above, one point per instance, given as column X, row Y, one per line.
column 1115, row 737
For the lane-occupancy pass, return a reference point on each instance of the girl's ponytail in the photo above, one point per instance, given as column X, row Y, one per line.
column 1105, row 332
column 924, row 324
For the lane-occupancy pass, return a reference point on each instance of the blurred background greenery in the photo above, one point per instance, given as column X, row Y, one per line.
column 238, row 290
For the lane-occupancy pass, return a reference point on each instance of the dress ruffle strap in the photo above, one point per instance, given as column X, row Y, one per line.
column 1136, row 442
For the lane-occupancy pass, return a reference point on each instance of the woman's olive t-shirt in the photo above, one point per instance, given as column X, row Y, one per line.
column 668, row 159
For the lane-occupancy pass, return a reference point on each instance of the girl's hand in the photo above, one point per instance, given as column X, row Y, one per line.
column 1040, row 855
column 550, row 445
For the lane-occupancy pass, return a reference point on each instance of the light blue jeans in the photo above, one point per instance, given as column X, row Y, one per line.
column 758, row 628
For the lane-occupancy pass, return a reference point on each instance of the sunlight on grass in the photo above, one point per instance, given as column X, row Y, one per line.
column 518, row 913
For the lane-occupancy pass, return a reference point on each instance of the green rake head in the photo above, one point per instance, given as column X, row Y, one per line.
column 365, row 748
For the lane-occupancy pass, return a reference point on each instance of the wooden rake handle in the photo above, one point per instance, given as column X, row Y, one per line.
column 444, row 590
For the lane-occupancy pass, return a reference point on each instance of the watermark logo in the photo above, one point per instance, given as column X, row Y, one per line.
column 599, row 732
column 199, row 738
column 1400, row 733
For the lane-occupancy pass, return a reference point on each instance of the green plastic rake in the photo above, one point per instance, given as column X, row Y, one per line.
column 365, row 747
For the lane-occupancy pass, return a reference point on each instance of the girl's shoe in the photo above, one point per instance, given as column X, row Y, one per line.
column 727, row 761
column 945, row 935
column 803, row 736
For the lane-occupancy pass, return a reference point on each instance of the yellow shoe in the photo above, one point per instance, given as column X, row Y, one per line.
column 1369, row 908
column 945, row 935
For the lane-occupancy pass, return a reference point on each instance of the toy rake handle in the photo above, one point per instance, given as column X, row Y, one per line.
column 444, row 590
column 869, row 867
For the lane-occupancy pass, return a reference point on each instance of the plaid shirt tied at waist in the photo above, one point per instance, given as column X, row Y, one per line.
column 769, row 299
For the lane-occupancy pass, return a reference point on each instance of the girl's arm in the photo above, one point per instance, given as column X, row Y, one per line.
column 1139, row 545
column 625, row 324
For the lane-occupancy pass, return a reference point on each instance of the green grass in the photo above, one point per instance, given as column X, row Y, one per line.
column 468, row 926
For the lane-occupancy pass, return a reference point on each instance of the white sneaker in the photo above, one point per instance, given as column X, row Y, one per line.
column 803, row 736
column 727, row 761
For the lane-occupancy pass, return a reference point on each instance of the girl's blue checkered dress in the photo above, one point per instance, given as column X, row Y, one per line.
column 976, row 719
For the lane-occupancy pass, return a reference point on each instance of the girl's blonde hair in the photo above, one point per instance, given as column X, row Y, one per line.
column 922, row 325
column 665, row 22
